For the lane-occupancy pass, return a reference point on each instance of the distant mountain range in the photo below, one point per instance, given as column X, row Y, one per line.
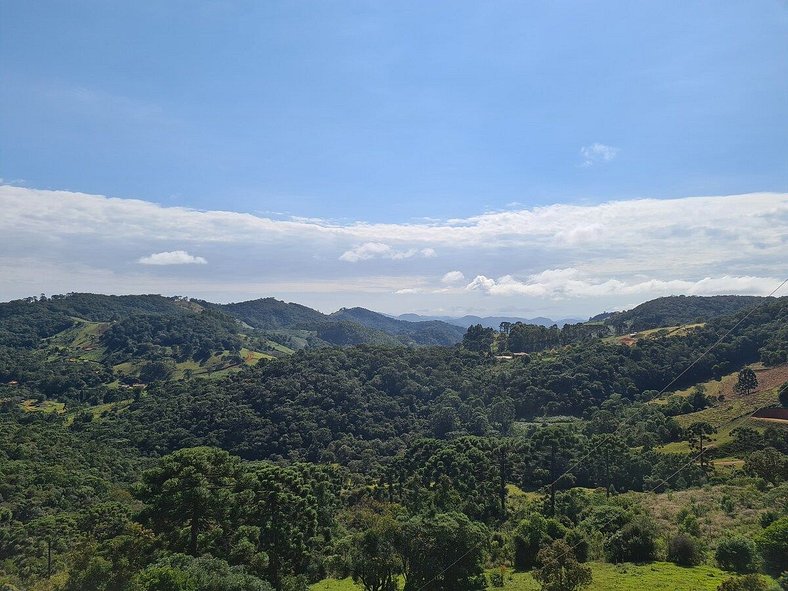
column 488, row 321
column 295, row 326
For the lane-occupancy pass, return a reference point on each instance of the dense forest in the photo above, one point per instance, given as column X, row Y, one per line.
column 152, row 443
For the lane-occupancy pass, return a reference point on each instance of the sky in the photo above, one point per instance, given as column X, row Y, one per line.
column 533, row 158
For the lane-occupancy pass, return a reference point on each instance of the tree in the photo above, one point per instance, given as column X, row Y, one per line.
column 163, row 578
column 609, row 459
column 189, row 492
column 529, row 538
column 554, row 447
column 773, row 544
column 204, row 574
column 154, row 371
column 738, row 554
column 281, row 512
column 769, row 464
column 559, row 570
column 478, row 338
column 697, row 433
column 444, row 552
column 374, row 561
column 747, row 381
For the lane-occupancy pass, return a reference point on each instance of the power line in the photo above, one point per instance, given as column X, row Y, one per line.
column 665, row 481
column 588, row 454
column 593, row 449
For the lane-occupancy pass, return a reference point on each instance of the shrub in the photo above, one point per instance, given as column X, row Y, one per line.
column 496, row 579
column 773, row 544
column 738, row 554
column 579, row 544
column 685, row 550
column 559, row 571
column 529, row 537
column 635, row 542
column 745, row 583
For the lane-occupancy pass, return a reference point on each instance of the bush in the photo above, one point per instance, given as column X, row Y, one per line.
column 559, row 571
column 635, row 542
column 578, row 543
column 738, row 554
column 496, row 579
column 773, row 544
column 529, row 537
column 745, row 583
column 685, row 550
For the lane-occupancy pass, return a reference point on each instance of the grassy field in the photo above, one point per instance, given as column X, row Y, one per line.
column 654, row 333
column 606, row 577
column 46, row 406
column 735, row 409
column 717, row 510
column 726, row 416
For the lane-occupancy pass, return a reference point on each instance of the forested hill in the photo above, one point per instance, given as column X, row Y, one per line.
column 353, row 326
column 287, row 468
column 429, row 332
column 675, row 310
column 340, row 404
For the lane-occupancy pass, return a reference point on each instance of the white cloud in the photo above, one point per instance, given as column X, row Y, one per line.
column 453, row 277
column 566, row 283
column 597, row 153
column 562, row 257
column 173, row 257
column 379, row 250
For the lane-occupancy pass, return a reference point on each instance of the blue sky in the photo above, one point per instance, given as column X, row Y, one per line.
column 392, row 113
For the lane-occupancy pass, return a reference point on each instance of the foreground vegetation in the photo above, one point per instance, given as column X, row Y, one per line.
column 150, row 444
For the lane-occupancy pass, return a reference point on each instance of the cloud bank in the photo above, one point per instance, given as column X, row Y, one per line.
column 557, row 259
column 173, row 257
column 378, row 250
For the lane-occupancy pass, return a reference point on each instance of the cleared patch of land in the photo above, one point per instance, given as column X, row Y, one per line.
column 654, row 333
column 735, row 409
column 656, row 576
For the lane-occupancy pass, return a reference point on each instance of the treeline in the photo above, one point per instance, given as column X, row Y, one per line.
column 531, row 338
column 194, row 336
column 354, row 405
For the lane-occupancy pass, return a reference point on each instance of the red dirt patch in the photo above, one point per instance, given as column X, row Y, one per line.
column 768, row 378
column 780, row 414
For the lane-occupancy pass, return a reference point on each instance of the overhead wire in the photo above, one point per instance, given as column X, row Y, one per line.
column 618, row 428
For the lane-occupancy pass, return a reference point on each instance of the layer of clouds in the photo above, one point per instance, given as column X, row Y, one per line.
column 173, row 257
column 571, row 283
column 597, row 153
column 378, row 250
column 558, row 259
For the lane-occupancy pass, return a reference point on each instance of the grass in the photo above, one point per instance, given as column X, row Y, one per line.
column 335, row 585
column 726, row 416
column 252, row 357
column 719, row 510
column 656, row 576
column 45, row 406
column 653, row 333
column 101, row 409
